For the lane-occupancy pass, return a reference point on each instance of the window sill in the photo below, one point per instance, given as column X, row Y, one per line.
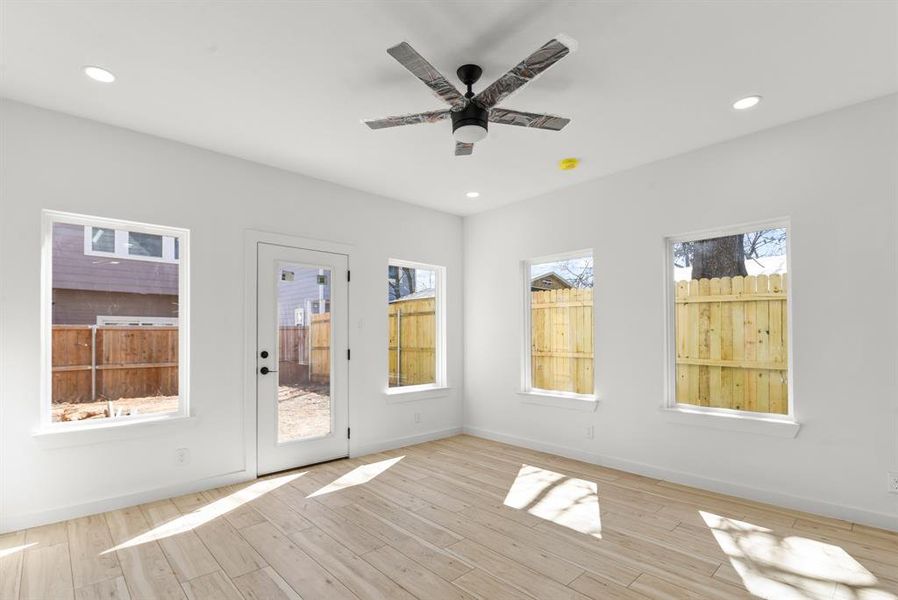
column 415, row 392
column 60, row 436
column 581, row 402
column 772, row 426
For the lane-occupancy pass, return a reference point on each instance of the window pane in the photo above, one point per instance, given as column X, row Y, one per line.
column 144, row 244
column 177, row 248
column 731, row 329
column 412, row 325
column 304, row 368
column 561, row 325
column 102, row 240
column 114, row 348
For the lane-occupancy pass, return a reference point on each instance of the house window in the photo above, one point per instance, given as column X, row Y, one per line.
column 102, row 240
column 144, row 244
column 115, row 321
column 415, row 314
column 131, row 244
column 729, row 305
column 559, row 356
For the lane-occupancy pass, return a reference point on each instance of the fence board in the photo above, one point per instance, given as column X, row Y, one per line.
column 731, row 343
column 130, row 362
column 561, row 344
column 412, row 342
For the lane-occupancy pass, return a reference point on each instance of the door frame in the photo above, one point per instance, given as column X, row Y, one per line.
column 251, row 240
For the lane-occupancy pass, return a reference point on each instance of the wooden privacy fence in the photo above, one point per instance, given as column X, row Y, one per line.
column 731, row 343
column 561, row 340
column 111, row 362
column 304, row 351
column 412, row 346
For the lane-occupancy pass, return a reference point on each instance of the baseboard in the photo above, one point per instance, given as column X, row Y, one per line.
column 420, row 438
column 847, row 513
column 24, row 521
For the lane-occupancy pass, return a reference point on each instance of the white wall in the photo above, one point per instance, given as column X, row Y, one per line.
column 834, row 176
column 52, row 161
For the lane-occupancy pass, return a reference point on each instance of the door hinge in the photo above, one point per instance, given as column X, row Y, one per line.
column 348, row 275
column 348, row 356
column 348, row 433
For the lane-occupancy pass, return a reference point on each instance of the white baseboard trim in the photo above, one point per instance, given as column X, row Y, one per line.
column 24, row 521
column 373, row 447
column 847, row 513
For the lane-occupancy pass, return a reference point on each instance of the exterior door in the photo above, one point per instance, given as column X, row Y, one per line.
column 301, row 357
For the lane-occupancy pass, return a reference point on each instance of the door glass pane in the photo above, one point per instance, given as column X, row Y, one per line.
column 304, row 353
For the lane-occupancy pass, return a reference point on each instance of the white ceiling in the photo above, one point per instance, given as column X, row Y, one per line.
column 286, row 83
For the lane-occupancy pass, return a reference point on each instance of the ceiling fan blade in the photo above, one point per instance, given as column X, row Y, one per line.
column 463, row 149
column 525, row 71
column 425, row 117
column 409, row 58
column 527, row 119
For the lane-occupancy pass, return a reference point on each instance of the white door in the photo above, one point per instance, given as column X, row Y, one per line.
column 301, row 357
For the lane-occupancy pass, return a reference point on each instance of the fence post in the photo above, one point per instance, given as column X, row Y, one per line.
column 398, row 346
column 93, row 363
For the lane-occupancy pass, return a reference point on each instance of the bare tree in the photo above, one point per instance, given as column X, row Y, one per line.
column 718, row 257
column 579, row 273
column 402, row 282
column 726, row 256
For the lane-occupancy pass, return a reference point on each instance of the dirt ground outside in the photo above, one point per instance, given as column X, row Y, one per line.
column 303, row 410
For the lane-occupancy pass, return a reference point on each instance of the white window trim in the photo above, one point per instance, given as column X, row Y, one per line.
column 441, row 386
column 121, row 245
column 91, row 427
column 724, row 418
column 539, row 396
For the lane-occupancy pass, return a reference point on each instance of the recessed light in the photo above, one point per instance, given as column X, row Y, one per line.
column 473, row 194
column 747, row 102
column 99, row 74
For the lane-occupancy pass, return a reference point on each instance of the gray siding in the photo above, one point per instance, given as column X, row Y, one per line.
column 293, row 294
column 74, row 270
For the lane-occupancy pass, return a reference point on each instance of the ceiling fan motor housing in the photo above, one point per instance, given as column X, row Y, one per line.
column 470, row 124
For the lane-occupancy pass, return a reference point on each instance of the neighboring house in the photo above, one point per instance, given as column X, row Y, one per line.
column 96, row 276
column 301, row 294
column 549, row 281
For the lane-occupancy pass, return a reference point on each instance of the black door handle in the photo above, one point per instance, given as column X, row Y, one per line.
column 266, row 371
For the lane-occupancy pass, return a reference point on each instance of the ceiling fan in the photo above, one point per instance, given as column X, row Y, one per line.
column 471, row 114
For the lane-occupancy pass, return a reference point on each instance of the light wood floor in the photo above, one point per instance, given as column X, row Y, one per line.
column 431, row 522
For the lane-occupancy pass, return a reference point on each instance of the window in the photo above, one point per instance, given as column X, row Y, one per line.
column 133, row 245
column 102, row 240
column 730, row 314
column 415, row 315
column 144, row 244
column 559, row 328
column 114, row 319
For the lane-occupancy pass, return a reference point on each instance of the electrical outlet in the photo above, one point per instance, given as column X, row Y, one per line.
column 591, row 432
column 417, row 417
column 182, row 456
column 893, row 482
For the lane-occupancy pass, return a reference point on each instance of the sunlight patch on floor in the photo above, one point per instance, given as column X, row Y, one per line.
column 14, row 549
column 563, row 500
column 209, row 512
column 791, row 567
column 357, row 476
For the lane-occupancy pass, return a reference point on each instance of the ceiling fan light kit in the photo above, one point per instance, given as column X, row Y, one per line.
column 471, row 114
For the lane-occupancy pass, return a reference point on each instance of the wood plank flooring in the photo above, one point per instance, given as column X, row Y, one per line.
column 457, row 519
